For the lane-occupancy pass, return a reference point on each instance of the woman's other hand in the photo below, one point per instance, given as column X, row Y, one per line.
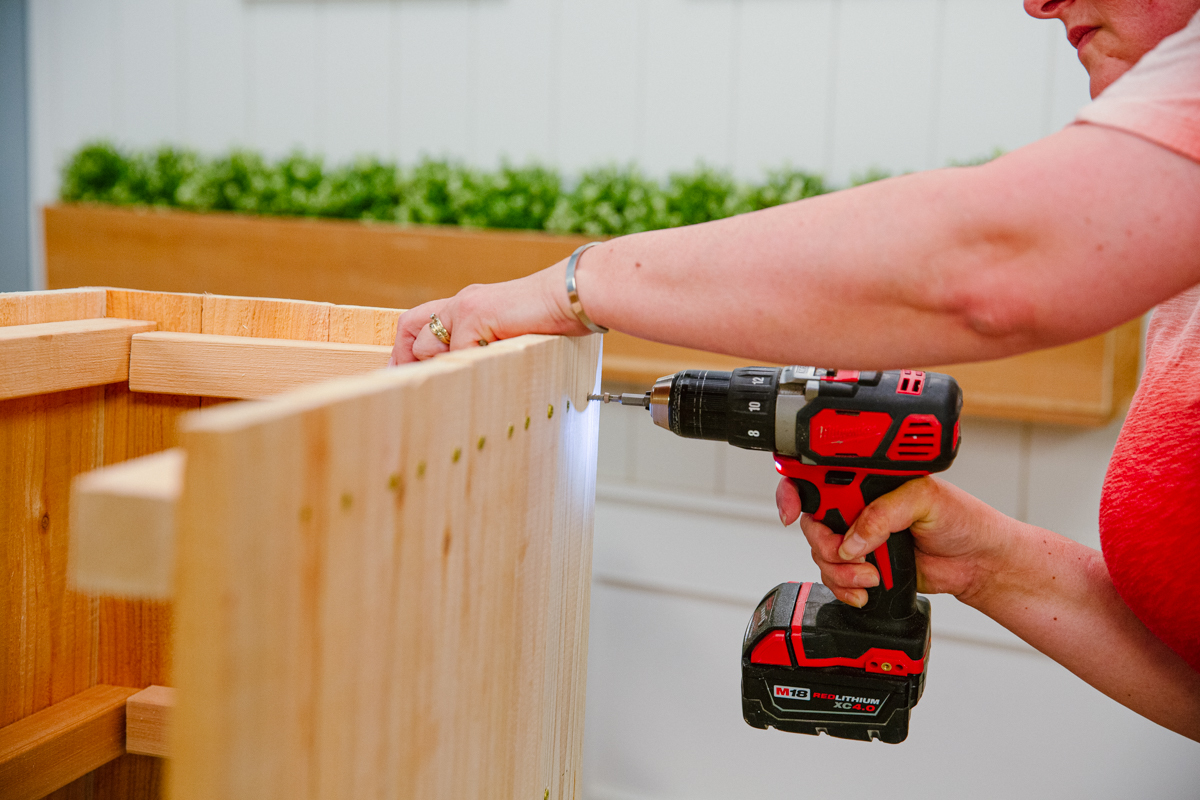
column 956, row 536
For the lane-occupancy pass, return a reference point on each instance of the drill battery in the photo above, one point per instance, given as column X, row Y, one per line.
column 812, row 664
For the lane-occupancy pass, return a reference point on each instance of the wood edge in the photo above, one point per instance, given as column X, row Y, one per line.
column 53, row 747
column 51, row 344
column 122, row 527
column 148, row 720
column 34, row 330
column 65, row 211
column 222, row 340
column 237, row 416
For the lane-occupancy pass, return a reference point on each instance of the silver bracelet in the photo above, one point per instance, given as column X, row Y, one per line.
column 573, row 291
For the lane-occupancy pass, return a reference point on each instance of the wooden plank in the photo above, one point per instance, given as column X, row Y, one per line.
column 47, row 750
column 234, row 366
column 123, row 526
column 363, row 325
column 334, row 261
column 266, row 318
column 1085, row 383
column 47, row 631
column 147, row 719
column 28, row 308
column 58, row 356
column 134, row 635
column 182, row 313
column 409, row 617
column 384, row 265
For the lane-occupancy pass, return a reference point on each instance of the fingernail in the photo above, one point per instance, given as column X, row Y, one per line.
column 868, row 581
column 853, row 546
column 781, row 518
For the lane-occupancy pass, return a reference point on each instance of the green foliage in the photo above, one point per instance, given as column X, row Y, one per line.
column 975, row 162
column 700, row 196
column 610, row 201
column 240, row 181
column 870, row 176
column 99, row 173
column 607, row 201
column 367, row 189
column 785, row 185
column 521, row 197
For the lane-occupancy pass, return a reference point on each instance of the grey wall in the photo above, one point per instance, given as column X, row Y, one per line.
column 14, row 150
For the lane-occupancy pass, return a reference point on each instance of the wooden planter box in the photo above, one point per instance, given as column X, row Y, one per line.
column 1087, row 383
column 376, row 586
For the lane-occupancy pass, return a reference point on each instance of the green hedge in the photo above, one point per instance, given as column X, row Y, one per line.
column 609, row 200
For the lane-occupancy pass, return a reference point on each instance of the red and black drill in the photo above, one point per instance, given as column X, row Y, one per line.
column 810, row 663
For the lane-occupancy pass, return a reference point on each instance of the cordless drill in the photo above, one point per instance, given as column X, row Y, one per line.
column 811, row 663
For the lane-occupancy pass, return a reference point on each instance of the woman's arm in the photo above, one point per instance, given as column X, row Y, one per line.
column 1054, row 242
column 1053, row 592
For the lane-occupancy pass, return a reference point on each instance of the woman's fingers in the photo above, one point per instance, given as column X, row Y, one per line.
column 895, row 511
column 787, row 500
column 413, row 325
column 848, row 579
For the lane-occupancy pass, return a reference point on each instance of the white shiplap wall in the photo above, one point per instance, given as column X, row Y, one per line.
column 686, row 539
column 832, row 85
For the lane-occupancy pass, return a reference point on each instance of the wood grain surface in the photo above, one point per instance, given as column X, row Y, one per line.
column 409, row 618
column 1087, row 383
column 241, row 367
column 134, row 644
column 331, row 261
column 57, row 356
column 147, row 719
column 62, row 743
column 123, row 526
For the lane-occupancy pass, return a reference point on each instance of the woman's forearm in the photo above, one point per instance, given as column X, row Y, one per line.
column 1038, row 248
column 1056, row 594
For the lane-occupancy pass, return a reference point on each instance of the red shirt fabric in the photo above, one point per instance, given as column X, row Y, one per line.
column 1150, row 507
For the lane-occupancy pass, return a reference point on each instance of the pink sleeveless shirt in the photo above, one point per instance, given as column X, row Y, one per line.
column 1150, row 508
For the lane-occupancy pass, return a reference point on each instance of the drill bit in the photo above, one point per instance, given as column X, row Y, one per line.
column 642, row 400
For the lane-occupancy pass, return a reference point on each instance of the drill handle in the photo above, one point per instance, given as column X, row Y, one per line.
column 895, row 598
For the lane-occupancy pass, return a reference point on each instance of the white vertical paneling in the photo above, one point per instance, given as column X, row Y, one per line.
column 43, row 112
column 598, row 110
column 664, row 721
column 783, row 84
column 86, row 56
column 215, row 75
column 148, row 89
column 516, row 97
column 990, row 464
column 353, row 80
column 884, row 75
column 1066, row 473
column 662, row 459
column 688, row 83
column 616, row 424
column 993, row 80
column 436, row 56
column 283, row 40
column 749, row 475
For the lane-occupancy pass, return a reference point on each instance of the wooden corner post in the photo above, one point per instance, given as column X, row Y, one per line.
column 382, row 583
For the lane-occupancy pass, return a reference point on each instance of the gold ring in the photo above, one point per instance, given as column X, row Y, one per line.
column 439, row 330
